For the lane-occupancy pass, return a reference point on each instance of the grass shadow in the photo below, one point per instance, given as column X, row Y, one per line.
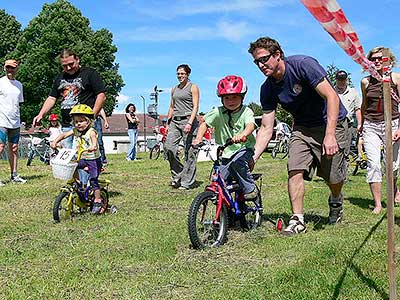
column 114, row 193
column 363, row 202
column 350, row 265
column 36, row 176
column 312, row 220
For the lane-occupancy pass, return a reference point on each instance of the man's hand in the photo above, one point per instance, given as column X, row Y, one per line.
column 330, row 146
column 187, row 128
column 106, row 125
column 36, row 120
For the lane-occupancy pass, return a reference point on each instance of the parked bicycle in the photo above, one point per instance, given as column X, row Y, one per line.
column 39, row 147
column 357, row 160
column 75, row 198
column 158, row 147
column 281, row 149
column 209, row 211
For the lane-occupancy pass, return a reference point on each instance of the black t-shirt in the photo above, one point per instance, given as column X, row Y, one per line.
column 79, row 88
column 131, row 125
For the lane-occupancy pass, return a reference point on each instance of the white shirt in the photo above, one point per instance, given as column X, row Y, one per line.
column 11, row 95
column 351, row 101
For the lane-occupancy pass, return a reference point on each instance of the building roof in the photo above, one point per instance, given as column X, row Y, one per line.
column 118, row 123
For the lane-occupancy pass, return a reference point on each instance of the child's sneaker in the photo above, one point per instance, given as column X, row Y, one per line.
column 17, row 179
column 295, row 226
column 1, row 183
column 252, row 195
column 335, row 210
column 97, row 208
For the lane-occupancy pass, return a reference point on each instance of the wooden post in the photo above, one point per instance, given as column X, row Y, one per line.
column 389, row 174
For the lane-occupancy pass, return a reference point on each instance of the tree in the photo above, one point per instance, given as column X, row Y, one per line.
column 60, row 25
column 331, row 70
column 10, row 31
column 257, row 109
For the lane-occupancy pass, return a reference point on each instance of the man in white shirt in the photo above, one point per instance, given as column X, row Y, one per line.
column 350, row 99
column 11, row 95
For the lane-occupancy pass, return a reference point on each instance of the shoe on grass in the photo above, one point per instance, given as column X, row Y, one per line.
column 295, row 226
column 18, row 179
column 1, row 183
column 96, row 209
column 335, row 210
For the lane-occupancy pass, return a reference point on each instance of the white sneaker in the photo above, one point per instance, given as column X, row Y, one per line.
column 1, row 183
column 295, row 226
column 18, row 179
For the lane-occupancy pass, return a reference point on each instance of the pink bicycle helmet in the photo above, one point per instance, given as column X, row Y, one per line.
column 230, row 85
column 53, row 117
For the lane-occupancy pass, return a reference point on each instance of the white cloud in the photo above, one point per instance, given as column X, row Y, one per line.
column 232, row 31
column 190, row 8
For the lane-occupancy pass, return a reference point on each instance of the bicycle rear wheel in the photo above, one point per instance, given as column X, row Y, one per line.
column 63, row 207
column 204, row 230
column 155, row 152
column 251, row 216
column 30, row 158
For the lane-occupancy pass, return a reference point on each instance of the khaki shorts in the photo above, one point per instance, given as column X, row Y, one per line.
column 305, row 153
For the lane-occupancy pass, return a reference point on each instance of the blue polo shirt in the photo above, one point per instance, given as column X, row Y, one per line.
column 296, row 92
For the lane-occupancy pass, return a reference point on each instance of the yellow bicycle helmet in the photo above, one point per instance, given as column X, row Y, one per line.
column 82, row 109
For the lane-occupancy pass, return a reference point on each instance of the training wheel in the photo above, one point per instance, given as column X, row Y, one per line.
column 279, row 224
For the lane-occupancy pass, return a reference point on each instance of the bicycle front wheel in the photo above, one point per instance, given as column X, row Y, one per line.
column 63, row 207
column 204, row 230
column 30, row 158
column 155, row 152
column 353, row 163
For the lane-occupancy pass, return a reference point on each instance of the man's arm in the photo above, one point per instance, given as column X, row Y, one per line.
column 264, row 134
column 47, row 105
column 326, row 91
column 99, row 103
column 104, row 117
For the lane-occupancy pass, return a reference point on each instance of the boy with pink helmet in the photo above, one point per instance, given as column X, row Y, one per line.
column 235, row 121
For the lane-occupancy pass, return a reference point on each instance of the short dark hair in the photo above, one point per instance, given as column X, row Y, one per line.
column 187, row 69
column 267, row 43
column 68, row 52
column 129, row 105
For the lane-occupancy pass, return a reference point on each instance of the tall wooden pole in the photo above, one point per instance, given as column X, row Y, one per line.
column 389, row 174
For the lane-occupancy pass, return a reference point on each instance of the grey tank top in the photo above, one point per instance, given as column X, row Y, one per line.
column 183, row 100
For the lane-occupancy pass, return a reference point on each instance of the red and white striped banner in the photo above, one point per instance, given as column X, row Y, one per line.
column 332, row 18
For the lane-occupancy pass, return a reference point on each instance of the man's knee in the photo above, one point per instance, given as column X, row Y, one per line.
column 13, row 148
column 296, row 174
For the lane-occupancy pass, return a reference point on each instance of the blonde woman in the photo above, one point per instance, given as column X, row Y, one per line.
column 373, row 125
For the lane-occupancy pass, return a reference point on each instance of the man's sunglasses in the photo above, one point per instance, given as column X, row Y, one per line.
column 263, row 59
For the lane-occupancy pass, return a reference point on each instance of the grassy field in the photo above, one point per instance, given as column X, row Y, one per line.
column 143, row 251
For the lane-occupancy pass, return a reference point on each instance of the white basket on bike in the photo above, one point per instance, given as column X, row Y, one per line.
column 62, row 166
column 63, row 171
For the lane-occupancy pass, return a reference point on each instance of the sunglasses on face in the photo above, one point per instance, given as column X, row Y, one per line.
column 379, row 58
column 180, row 74
column 70, row 65
column 263, row 59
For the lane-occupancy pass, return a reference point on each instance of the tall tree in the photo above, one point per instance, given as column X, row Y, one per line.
column 256, row 108
column 10, row 31
column 61, row 25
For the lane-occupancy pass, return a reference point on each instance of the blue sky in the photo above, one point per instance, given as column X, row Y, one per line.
column 153, row 37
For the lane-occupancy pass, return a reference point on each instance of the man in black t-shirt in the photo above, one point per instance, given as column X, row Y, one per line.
column 75, row 85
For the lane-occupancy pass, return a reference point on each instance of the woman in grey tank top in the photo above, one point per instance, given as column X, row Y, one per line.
column 182, row 125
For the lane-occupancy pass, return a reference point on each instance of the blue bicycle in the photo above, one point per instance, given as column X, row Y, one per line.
column 221, row 203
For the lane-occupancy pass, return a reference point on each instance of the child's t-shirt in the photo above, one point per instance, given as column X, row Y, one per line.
column 54, row 132
column 84, row 141
column 218, row 119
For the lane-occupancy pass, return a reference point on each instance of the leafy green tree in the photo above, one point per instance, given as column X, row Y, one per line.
column 10, row 31
column 256, row 108
column 60, row 25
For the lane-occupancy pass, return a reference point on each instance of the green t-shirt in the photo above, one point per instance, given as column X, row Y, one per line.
column 218, row 119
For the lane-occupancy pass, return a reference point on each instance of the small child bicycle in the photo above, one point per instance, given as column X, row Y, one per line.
column 75, row 198
column 209, row 211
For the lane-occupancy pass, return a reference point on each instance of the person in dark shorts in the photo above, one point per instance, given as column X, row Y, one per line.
column 320, row 130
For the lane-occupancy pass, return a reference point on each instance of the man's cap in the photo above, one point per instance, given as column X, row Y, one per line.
column 11, row 62
column 341, row 74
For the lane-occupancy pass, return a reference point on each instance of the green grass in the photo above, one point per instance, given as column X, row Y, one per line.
column 143, row 251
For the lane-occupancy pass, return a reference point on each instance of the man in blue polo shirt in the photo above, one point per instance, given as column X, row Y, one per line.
column 319, row 140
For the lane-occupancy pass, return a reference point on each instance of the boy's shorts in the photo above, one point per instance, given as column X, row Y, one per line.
column 12, row 134
column 94, row 167
column 305, row 153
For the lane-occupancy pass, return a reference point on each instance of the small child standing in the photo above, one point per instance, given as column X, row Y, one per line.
column 85, row 137
column 236, row 121
column 54, row 128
